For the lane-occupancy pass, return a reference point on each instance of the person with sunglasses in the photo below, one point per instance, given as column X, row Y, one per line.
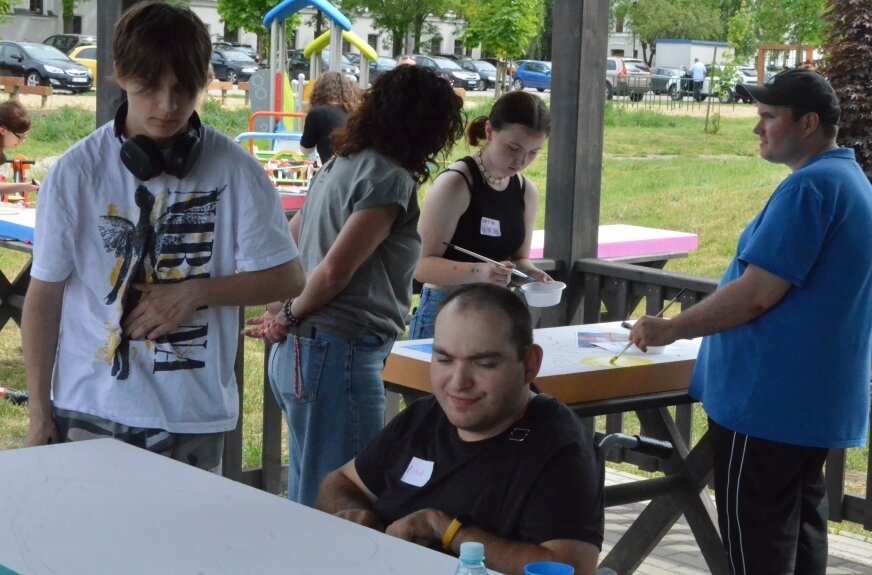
column 14, row 126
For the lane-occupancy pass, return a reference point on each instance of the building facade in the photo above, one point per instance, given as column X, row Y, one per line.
column 35, row 20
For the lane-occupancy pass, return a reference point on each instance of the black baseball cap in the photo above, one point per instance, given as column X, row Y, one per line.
column 798, row 88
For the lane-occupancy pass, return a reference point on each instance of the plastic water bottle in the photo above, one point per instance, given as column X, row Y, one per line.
column 471, row 559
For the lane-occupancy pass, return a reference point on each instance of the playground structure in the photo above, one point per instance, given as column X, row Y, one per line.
column 277, row 107
column 20, row 165
column 313, row 50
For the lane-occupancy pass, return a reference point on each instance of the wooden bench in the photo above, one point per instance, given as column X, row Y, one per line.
column 223, row 86
column 44, row 91
column 244, row 87
column 13, row 85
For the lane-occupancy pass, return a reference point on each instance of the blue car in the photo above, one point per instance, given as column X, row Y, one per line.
column 533, row 74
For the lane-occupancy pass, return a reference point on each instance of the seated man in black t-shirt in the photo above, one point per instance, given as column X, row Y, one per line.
column 485, row 459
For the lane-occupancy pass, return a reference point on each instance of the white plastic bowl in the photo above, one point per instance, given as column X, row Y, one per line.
column 543, row 294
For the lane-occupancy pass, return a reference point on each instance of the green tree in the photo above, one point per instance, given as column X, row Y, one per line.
column 401, row 17
column 503, row 28
column 248, row 15
column 741, row 34
column 653, row 19
column 68, row 9
column 848, row 29
column 5, row 8
column 777, row 22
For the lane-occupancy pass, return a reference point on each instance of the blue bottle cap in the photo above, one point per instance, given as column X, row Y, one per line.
column 472, row 551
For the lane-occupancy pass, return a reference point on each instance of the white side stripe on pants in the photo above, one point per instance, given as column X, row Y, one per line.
column 735, row 546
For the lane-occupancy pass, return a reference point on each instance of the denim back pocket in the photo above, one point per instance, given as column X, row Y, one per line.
column 282, row 370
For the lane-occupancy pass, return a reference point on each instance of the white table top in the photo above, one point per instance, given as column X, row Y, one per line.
column 571, row 373
column 105, row 507
column 562, row 354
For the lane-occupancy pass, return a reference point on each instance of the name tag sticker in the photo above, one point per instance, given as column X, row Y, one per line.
column 490, row 228
column 418, row 472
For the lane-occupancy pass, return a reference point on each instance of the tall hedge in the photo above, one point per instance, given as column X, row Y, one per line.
column 848, row 65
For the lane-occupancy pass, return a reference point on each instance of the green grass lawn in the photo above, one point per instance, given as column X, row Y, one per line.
column 659, row 170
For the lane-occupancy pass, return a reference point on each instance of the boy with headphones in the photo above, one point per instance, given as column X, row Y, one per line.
column 149, row 233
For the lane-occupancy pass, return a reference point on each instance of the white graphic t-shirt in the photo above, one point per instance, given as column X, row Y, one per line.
column 102, row 230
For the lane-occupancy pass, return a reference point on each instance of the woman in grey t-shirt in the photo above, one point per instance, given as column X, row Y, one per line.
column 359, row 245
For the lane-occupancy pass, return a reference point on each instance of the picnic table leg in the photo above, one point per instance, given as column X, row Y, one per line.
column 231, row 463
column 12, row 295
column 694, row 502
column 694, row 467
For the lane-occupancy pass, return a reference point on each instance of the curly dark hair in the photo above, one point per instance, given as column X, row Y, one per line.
column 333, row 89
column 512, row 108
column 410, row 115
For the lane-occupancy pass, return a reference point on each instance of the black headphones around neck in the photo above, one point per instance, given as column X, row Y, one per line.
column 145, row 160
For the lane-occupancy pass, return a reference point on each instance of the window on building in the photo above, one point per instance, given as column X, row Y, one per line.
column 346, row 46
column 36, row 6
column 458, row 47
column 619, row 24
column 372, row 40
column 435, row 45
column 77, row 26
column 617, row 52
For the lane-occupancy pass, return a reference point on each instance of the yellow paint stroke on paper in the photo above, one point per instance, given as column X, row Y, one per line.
column 622, row 361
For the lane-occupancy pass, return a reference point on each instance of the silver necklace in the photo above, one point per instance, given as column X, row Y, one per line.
column 490, row 179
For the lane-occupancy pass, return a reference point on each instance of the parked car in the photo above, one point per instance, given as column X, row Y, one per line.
column 376, row 68
column 450, row 70
column 66, row 42
column 510, row 65
column 486, row 71
column 40, row 65
column 246, row 49
column 748, row 76
column 86, row 55
column 532, row 74
column 627, row 77
column 232, row 65
column 661, row 79
column 713, row 86
column 299, row 64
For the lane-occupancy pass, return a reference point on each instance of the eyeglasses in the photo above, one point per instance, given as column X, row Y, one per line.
column 21, row 137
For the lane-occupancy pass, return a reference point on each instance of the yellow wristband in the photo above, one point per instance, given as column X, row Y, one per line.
column 450, row 533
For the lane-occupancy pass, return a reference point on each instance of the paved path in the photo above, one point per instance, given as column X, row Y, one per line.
column 678, row 553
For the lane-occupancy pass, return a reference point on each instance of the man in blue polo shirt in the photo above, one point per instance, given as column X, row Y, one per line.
column 784, row 370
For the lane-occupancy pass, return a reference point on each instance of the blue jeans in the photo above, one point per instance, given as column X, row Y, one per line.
column 337, row 410
column 424, row 321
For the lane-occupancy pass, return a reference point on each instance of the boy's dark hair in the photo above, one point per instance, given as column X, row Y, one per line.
column 153, row 37
column 505, row 302
column 409, row 114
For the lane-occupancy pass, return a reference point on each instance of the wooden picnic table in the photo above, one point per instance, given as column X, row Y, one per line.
column 591, row 390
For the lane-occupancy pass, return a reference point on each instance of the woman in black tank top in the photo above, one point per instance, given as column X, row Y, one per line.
column 484, row 204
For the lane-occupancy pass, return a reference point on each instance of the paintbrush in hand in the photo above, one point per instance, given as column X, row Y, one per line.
column 659, row 314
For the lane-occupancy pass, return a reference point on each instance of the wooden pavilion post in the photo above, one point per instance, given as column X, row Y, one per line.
column 580, row 39
column 109, row 95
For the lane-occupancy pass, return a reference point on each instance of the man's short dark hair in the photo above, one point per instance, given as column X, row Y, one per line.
column 481, row 296
column 153, row 37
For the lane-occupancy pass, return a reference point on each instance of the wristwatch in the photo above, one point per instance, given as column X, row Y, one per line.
column 290, row 319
